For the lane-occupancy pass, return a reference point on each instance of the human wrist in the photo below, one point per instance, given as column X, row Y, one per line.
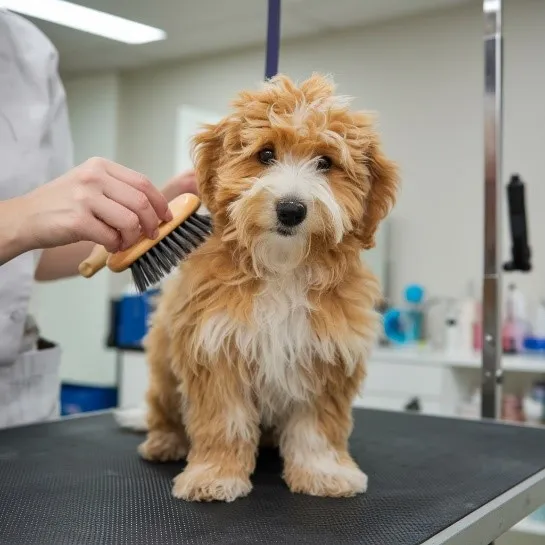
column 171, row 189
column 15, row 234
column 180, row 184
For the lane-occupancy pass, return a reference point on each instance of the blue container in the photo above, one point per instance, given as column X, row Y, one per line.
column 77, row 398
column 402, row 326
column 133, row 312
column 534, row 345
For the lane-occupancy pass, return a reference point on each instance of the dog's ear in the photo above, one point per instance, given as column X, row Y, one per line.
column 384, row 180
column 207, row 147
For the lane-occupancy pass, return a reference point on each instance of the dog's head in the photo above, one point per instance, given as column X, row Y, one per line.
column 294, row 171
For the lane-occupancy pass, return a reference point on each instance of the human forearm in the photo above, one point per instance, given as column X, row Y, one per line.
column 177, row 185
column 15, row 238
column 171, row 190
column 62, row 262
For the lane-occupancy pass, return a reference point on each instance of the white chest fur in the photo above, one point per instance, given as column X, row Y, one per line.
column 280, row 342
column 277, row 345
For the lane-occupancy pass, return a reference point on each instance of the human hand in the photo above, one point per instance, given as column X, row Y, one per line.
column 98, row 201
column 186, row 182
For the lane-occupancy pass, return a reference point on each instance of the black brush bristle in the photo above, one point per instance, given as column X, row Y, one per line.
column 162, row 258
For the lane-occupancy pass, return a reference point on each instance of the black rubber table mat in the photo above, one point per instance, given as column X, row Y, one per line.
column 81, row 482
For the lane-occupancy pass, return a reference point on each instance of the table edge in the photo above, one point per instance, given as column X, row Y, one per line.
column 497, row 517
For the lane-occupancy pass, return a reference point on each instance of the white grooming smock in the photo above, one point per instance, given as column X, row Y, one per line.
column 35, row 147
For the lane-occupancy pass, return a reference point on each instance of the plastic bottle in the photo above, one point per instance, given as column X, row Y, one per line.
column 414, row 295
column 478, row 328
column 514, row 327
column 521, row 320
column 452, row 337
column 466, row 321
column 533, row 409
column 539, row 330
column 535, row 342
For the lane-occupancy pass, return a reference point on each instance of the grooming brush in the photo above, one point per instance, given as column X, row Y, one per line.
column 152, row 259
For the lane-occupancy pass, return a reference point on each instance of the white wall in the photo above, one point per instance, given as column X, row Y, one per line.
column 425, row 78
column 73, row 312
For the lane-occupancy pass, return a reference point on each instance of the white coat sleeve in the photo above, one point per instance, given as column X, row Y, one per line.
column 59, row 137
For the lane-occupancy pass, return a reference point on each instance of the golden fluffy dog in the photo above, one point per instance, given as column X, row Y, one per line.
column 265, row 330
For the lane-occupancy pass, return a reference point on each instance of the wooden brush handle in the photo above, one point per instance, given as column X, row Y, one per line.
column 181, row 207
column 94, row 262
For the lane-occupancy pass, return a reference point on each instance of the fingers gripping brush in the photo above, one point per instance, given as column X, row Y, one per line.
column 150, row 260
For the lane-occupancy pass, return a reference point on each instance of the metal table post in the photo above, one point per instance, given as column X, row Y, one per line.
column 491, row 314
column 491, row 357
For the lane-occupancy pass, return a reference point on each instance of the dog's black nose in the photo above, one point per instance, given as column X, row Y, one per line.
column 291, row 212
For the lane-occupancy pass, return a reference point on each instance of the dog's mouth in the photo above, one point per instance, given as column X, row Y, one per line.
column 284, row 231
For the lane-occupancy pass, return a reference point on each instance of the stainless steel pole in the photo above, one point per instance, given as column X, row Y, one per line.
column 492, row 293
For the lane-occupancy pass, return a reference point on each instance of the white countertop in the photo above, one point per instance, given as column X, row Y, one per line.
column 523, row 363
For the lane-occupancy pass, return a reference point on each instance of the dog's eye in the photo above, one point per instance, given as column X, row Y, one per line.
column 266, row 156
column 324, row 163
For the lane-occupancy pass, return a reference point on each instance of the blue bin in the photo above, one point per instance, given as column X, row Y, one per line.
column 133, row 312
column 76, row 398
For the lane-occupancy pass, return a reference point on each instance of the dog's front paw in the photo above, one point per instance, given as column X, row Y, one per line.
column 331, row 479
column 204, row 482
column 163, row 446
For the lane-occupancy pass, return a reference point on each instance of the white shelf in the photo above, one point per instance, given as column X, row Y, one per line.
column 515, row 364
column 523, row 363
column 412, row 355
column 530, row 527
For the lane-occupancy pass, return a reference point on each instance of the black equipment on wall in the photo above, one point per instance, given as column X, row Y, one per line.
column 520, row 250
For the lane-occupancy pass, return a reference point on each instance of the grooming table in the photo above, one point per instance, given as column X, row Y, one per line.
column 432, row 481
